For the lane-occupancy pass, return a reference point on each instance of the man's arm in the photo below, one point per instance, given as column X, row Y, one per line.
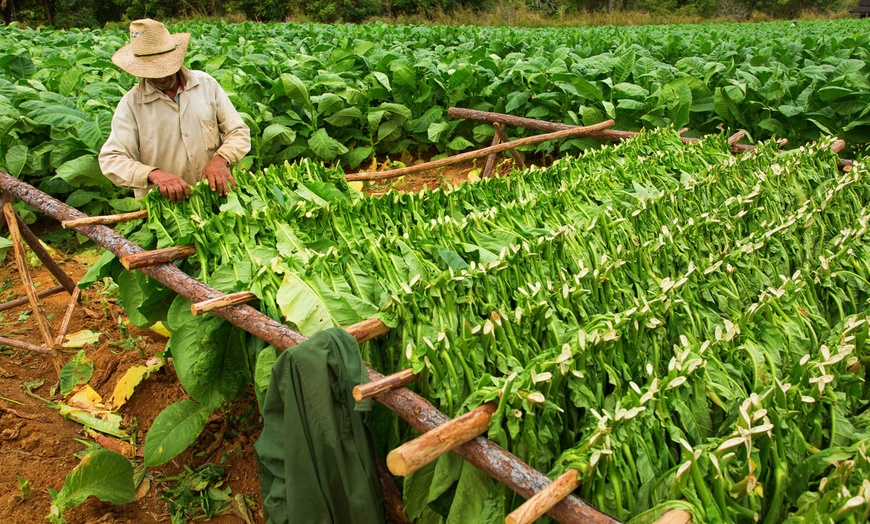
column 119, row 156
column 236, row 142
column 119, row 159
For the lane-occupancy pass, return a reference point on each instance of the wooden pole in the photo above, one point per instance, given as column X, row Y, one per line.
column 27, row 282
column 542, row 501
column 24, row 300
column 531, row 123
column 499, row 128
column 105, row 220
column 736, row 137
column 20, row 344
column 389, row 382
column 675, row 516
column 367, row 330
column 484, row 454
column 157, row 256
column 529, row 140
column 216, row 303
column 5, row 198
column 50, row 264
column 413, row 455
column 489, row 457
column 64, row 324
column 838, row 146
column 490, row 159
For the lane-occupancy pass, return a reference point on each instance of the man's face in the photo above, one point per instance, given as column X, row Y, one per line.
column 166, row 83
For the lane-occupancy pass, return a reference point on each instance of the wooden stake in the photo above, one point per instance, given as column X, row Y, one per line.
column 490, row 159
column 5, row 198
column 368, row 329
column 64, row 324
column 838, row 146
column 104, row 219
column 499, row 128
column 413, row 455
column 675, row 516
column 157, row 256
column 24, row 300
column 529, row 140
column 388, row 383
column 20, row 344
column 393, row 503
column 216, row 303
column 50, row 264
column 736, row 137
column 542, row 501
column 21, row 261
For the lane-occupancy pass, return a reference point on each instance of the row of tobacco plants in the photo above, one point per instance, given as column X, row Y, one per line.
column 686, row 328
column 345, row 93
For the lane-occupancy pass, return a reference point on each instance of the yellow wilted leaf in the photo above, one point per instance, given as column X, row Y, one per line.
column 79, row 339
column 131, row 379
column 85, row 397
column 160, row 329
column 356, row 185
column 473, row 176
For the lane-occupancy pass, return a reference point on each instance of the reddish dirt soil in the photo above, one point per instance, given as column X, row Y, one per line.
column 39, row 446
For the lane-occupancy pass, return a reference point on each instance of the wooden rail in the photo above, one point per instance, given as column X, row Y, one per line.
column 571, row 131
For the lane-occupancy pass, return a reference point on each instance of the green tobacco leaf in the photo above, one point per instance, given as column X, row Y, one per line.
column 312, row 305
column 16, row 158
column 174, row 429
column 263, row 372
column 472, row 493
column 416, row 490
column 279, row 133
column 69, row 80
column 209, row 354
column 357, row 155
column 295, row 88
column 100, row 269
column 325, row 146
column 5, row 244
column 79, row 370
column 83, row 171
column 102, row 473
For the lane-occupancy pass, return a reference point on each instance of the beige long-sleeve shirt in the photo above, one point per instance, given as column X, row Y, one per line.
column 151, row 131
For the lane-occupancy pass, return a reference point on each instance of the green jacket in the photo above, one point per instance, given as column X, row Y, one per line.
column 315, row 455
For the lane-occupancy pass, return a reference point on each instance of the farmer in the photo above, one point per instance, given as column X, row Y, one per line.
column 176, row 126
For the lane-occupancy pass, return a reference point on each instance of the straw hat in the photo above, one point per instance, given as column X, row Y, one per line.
column 152, row 51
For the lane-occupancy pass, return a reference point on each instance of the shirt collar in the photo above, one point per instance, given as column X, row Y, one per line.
column 149, row 93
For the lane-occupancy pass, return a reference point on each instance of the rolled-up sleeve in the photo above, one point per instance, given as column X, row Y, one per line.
column 236, row 141
column 119, row 156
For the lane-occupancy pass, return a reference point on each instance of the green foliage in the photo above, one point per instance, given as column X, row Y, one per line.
column 174, row 429
column 102, row 473
column 197, row 493
column 77, row 371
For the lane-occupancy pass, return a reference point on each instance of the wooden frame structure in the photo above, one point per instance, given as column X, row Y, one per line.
column 418, row 412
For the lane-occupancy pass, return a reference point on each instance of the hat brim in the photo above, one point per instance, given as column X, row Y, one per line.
column 157, row 66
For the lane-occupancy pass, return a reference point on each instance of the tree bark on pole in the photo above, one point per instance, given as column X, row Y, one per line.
column 419, row 413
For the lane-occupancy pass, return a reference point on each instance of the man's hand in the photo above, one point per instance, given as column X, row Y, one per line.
column 170, row 186
column 218, row 175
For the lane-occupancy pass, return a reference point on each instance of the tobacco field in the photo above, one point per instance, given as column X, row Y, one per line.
column 684, row 326
column 344, row 93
